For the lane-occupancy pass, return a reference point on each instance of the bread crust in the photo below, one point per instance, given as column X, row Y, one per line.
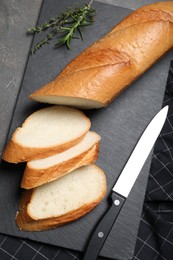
column 27, row 223
column 103, row 70
column 15, row 152
column 33, row 177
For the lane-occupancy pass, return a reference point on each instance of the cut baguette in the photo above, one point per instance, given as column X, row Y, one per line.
column 46, row 132
column 63, row 200
column 102, row 71
column 45, row 170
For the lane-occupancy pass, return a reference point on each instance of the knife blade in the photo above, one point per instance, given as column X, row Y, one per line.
column 125, row 182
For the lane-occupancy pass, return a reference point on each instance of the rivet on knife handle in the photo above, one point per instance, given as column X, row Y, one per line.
column 104, row 227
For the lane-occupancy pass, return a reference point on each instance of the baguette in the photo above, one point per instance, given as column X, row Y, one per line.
column 61, row 201
column 45, row 170
column 102, row 71
column 47, row 131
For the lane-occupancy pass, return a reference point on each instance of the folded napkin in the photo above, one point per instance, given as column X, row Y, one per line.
column 155, row 236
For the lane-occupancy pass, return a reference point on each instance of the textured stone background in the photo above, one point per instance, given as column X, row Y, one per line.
column 15, row 17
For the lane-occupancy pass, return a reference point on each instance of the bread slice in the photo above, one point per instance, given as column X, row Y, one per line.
column 46, row 132
column 45, row 170
column 63, row 200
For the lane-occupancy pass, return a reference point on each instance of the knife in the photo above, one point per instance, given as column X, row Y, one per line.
column 125, row 182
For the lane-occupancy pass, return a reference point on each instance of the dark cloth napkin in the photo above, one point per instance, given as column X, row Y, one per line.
column 155, row 236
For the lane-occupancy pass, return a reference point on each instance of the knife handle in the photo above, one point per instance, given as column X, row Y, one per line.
column 104, row 227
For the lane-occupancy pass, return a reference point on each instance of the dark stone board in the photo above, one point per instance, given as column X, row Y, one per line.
column 120, row 125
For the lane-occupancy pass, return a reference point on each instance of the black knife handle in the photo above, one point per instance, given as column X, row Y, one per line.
column 104, row 227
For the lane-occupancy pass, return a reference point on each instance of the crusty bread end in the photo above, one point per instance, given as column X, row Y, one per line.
column 106, row 68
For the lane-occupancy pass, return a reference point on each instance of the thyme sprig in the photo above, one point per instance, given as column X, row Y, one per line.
column 66, row 26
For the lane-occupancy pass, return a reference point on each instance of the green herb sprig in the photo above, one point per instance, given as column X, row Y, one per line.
column 66, row 26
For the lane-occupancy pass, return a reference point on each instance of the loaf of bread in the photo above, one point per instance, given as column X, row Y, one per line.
column 63, row 200
column 47, row 131
column 38, row 172
column 102, row 71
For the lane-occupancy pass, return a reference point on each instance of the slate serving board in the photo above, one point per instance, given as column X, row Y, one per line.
column 120, row 125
